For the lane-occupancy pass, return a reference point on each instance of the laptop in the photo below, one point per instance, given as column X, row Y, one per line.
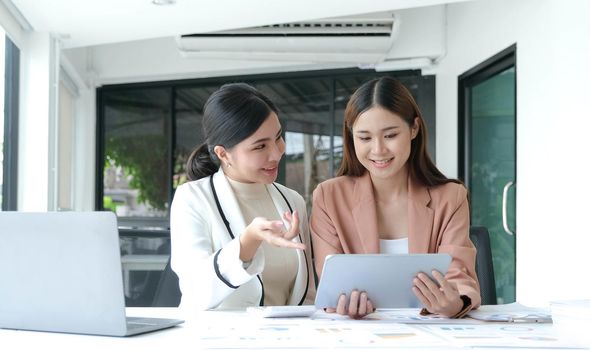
column 61, row 272
column 387, row 278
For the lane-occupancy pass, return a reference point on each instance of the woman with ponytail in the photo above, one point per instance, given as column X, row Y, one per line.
column 238, row 238
column 389, row 197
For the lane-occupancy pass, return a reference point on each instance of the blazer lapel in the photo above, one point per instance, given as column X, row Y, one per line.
column 279, row 203
column 420, row 217
column 364, row 215
column 229, row 203
column 302, row 279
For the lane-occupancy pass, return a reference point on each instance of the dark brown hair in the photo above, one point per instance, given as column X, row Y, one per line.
column 390, row 94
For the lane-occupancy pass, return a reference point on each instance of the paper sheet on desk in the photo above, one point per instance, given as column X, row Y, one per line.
column 498, row 335
column 513, row 312
column 307, row 334
column 404, row 315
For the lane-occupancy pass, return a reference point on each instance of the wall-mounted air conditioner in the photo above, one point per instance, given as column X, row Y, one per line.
column 341, row 40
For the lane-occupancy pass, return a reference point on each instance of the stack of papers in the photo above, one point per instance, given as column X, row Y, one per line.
column 513, row 312
column 571, row 318
column 283, row 311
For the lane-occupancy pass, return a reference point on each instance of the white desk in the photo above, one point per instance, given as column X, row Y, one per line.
column 239, row 330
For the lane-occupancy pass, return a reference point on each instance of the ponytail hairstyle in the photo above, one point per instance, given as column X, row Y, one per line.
column 231, row 114
column 389, row 94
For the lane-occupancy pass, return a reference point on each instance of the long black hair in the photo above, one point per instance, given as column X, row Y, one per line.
column 231, row 114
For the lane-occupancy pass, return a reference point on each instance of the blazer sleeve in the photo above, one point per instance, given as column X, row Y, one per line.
column 455, row 241
column 206, row 275
column 323, row 232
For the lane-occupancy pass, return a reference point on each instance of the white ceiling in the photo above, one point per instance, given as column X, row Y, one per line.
column 90, row 22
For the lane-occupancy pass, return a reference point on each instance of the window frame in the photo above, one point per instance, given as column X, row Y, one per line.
column 11, row 129
column 251, row 79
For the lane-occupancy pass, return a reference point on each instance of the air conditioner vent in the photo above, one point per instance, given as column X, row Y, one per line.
column 346, row 39
column 325, row 27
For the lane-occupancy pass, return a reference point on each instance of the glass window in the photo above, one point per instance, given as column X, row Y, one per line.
column 137, row 129
column 305, row 113
column 188, row 112
column 148, row 131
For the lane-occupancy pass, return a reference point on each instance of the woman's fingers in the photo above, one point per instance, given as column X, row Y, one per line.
column 429, row 283
column 426, row 286
column 341, row 306
column 440, row 297
column 427, row 304
column 284, row 243
column 357, row 306
column 293, row 220
column 273, row 232
column 370, row 306
column 353, row 304
column 446, row 287
column 261, row 224
column 276, row 227
column 362, row 309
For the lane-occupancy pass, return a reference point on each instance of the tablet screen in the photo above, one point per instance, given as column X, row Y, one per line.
column 387, row 278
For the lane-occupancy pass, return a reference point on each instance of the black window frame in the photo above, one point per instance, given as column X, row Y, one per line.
column 483, row 71
column 252, row 79
column 11, row 98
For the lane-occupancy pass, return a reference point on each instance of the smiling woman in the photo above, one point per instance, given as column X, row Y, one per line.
column 232, row 227
column 390, row 198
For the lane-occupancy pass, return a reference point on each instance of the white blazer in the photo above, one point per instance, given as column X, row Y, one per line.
column 206, row 258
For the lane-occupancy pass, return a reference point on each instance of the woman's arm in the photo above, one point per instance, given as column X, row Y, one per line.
column 461, row 293
column 456, row 242
column 207, row 274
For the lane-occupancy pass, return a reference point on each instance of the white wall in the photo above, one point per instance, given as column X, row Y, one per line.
column 553, row 51
column 159, row 59
column 421, row 35
column 85, row 150
column 35, row 123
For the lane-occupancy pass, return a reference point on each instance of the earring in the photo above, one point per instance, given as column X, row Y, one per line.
column 228, row 165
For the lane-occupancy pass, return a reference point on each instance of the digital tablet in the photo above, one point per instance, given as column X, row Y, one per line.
column 387, row 278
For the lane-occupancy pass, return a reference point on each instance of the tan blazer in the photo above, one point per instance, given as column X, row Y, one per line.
column 344, row 220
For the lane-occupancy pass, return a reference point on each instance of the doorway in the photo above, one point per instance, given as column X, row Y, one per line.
column 487, row 159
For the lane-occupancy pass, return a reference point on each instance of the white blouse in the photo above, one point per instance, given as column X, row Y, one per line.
column 393, row 246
